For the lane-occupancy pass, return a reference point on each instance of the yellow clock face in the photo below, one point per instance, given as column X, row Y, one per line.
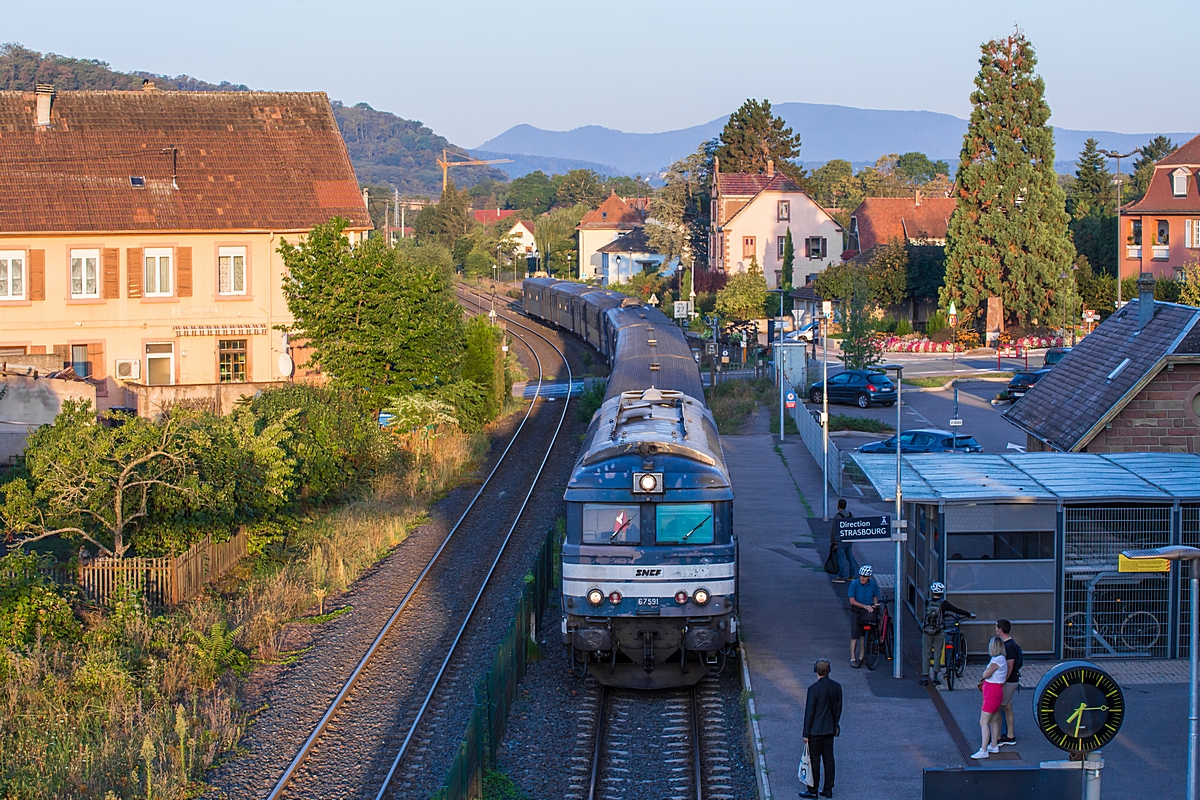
column 1078, row 706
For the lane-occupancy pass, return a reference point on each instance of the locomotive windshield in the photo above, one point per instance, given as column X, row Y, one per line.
column 611, row 524
column 688, row 523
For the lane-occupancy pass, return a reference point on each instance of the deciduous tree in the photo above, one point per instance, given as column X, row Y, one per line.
column 744, row 295
column 533, row 193
column 580, row 186
column 678, row 223
column 1008, row 234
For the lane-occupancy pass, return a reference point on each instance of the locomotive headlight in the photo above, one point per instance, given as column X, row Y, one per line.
column 595, row 596
column 647, row 482
column 614, row 598
column 681, row 597
column 701, row 597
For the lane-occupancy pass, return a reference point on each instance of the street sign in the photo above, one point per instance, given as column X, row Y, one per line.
column 826, row 308
column 789, row 400
column 681, row 309
column 865, row 529
column 653, row 300
column 724, row 356
column 711, row 349
column 954, row 320
column 956, row 423
column 1142, row 564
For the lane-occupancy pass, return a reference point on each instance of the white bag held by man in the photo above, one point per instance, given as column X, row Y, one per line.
column 805, row 771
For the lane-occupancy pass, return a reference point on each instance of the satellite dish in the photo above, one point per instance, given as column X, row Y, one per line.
column 286, row 365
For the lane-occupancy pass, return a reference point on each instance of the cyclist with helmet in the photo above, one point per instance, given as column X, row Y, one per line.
column 865, row 596
column 933, row 630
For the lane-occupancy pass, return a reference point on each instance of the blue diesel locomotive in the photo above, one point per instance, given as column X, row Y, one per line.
column 649, row 563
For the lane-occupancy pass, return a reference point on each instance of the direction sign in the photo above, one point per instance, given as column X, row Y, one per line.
column 865, row 529
column 712, row 348
column 724, row 356
column 790, row 400
column 681, row 309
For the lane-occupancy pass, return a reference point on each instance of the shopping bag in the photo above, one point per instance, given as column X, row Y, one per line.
column 831, row 563
column 805, row 771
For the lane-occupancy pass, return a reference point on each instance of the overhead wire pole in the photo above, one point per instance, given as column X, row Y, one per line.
column 897, row 532
column 826, row 310
column 1118, row 179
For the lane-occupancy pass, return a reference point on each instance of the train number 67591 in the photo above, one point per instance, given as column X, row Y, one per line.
column 647, row 601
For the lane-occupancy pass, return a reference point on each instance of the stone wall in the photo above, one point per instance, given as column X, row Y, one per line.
column 1161, row 418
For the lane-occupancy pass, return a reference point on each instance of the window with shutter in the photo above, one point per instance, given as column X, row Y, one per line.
column 157, row 278
column 12, row 274
column 111, row 262
column 185, row 271
column 85, row 274
column 231, row 270
column 133, row 265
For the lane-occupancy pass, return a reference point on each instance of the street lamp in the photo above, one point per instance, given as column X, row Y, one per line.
column 826, row 315
column 1118, row 179
column 1192, row 555
column 779, row 360
column 897, row 527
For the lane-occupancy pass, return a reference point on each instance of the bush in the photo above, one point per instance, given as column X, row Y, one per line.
column 30, row 608
column 936, row 323
column 590, row 400
column 483, row 364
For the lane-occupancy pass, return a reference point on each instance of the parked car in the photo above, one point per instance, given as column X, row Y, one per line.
column 927, row 440
column 861, row 387
column 805, row 333
column 1055, row 355
column 1022, row 382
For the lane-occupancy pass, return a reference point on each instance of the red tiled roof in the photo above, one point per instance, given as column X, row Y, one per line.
column 490, row 216
column 612, row 213
column 882, row 219
column 246, row 161
column 745, row 184
column 1188, row 154
column 1160, row 194
column 528, row 225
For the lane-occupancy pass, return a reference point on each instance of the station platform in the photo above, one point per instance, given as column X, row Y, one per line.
column 791, row 615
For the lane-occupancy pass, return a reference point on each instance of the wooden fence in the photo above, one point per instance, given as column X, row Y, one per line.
column 166, row 581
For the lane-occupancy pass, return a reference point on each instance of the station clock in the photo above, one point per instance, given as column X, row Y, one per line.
column 1078, row 706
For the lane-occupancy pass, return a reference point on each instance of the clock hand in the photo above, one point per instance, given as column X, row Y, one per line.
column 1077, row 718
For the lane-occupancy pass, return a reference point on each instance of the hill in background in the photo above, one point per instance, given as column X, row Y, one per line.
column 385, row 149
column 827, row 132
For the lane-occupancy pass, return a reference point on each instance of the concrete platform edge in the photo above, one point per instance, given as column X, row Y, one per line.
column 760, row 756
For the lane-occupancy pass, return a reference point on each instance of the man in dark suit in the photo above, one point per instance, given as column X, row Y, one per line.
column 822, row 722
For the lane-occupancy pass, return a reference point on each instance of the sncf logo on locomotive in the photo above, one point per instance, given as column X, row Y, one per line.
column 647, row 573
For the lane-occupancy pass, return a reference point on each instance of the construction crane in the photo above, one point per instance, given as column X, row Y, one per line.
column 445, row 163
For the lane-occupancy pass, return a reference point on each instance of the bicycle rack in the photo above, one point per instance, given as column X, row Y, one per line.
column 1093, row 631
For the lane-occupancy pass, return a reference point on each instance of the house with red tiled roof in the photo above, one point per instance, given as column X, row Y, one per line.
column 751, row 215
column 1161, row 231
column 913, row 220
column 612, row 219
column 522, row 235
column 139, row 234
column 490, row 216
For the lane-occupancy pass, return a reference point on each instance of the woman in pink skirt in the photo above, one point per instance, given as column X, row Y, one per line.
column 992, row 687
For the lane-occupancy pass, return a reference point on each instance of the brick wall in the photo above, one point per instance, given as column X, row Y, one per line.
column 1156, row 419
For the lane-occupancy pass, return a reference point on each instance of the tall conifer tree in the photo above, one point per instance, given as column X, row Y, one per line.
column 1008, row 235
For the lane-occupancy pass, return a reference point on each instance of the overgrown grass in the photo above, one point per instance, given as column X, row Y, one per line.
column 931, row 381
column 128, row 704
column 733, row 402
column 846, row 422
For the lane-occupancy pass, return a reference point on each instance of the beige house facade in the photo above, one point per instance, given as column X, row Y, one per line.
column 602, row 226
column 751, row 216
column 139, row 232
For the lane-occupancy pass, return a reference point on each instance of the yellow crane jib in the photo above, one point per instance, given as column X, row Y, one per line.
column 445, row 163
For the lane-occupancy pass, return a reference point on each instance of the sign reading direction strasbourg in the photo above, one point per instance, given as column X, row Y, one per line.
column 865, row 529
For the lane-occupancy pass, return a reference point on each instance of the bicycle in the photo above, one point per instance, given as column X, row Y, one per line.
column 955, row 652
column 877, row 634
column 1137, row 631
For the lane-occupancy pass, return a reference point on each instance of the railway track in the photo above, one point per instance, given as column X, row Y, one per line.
column 397, row 718
column 637, row 745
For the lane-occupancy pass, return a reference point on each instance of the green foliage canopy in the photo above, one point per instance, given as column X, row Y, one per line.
column 744, row 295
column 753, row 136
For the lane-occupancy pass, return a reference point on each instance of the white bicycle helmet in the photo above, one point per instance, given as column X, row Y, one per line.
column 937, row 588
column 865, row 570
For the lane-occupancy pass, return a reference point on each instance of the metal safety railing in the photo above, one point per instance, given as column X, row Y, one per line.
column 497, row 690
column 811, row 433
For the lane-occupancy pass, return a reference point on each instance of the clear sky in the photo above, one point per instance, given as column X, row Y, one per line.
column 472, row 69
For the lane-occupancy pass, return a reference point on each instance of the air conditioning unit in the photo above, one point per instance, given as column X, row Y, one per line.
column 128, row 369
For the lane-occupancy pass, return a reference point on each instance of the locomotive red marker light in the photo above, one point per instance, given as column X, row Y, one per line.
column 614, row 598
column 595, row 597
column 681, row 597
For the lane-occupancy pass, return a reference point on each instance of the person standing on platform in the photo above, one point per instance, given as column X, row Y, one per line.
column 845, row 550
column 822, row 723
column 933, row 630
column 865, row 597
column 992, row 687
column 1013, row 655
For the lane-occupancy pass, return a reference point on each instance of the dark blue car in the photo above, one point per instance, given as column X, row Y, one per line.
column 862, row 387
column 926, row 440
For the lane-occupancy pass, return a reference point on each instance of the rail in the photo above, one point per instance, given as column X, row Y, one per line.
column 347, row 687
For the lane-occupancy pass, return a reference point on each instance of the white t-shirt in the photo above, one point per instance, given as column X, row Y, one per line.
column 1001, row 672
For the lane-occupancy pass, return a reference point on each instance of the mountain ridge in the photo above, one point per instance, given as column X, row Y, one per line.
column 827, row 132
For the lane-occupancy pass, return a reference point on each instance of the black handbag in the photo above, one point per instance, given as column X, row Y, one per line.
column 831, row 563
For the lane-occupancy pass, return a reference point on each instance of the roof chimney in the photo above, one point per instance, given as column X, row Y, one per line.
column 148, row 86
column 770, row 168
column 918, row 198
column 1145, row 287
column 45, row 96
